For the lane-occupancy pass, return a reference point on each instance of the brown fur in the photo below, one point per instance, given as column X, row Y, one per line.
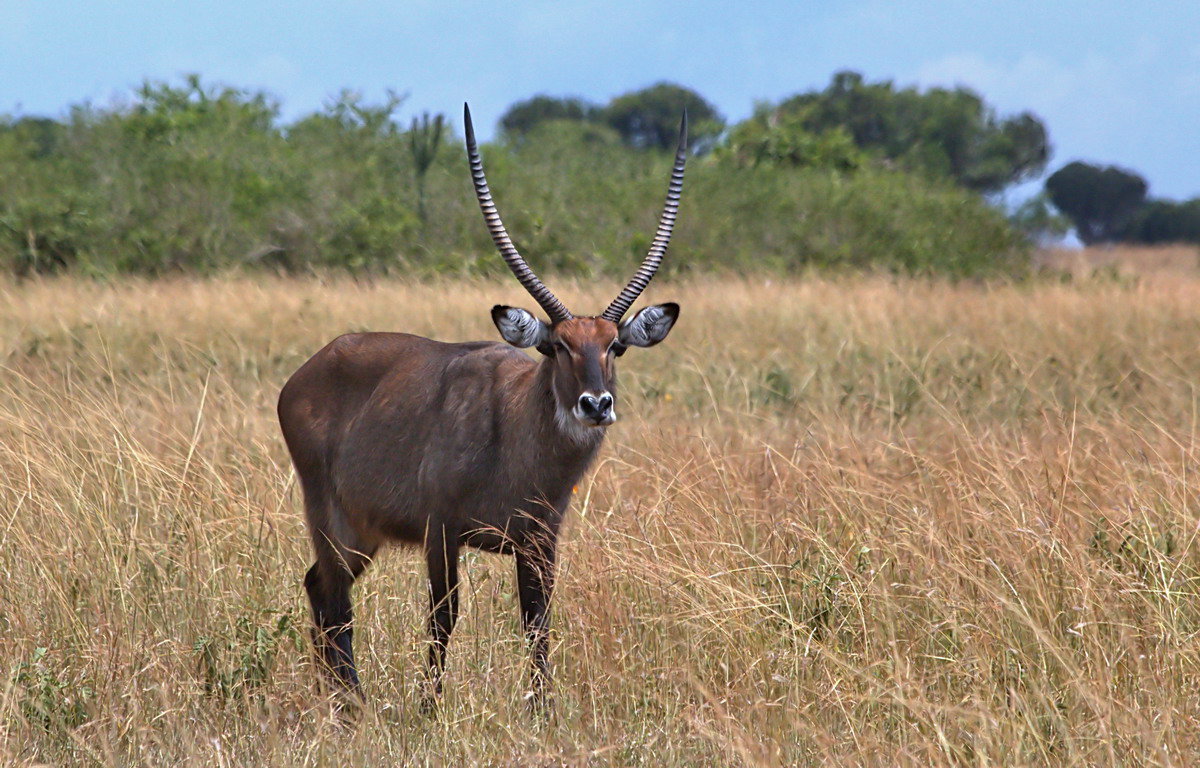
column 400, row 438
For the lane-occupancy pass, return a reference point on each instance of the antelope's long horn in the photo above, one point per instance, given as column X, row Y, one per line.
column 548, row 301
column 662, row 237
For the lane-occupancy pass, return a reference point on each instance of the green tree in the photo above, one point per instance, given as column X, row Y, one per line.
column 1099, row 201
column 524, row 116
column 188, row 176
column 43, row 134
column 649, row 118
column 943, row 132
column 782, row 140
column 43, row 201
column 360, row 168
column 867, row 110
column 1039, row 221
column 191, row 170
column 1164, row 221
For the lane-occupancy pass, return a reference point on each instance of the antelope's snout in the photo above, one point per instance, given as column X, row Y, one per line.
column 595, row 410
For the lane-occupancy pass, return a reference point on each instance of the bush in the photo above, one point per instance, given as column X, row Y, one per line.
column 871, row 219
column 782, row 140
column 195, row 177
column 49, row 697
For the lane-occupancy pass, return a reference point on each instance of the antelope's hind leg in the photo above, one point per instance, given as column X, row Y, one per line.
column 340, row 559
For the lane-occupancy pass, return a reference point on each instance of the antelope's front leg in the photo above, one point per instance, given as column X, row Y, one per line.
column 535, row 583
column 441, row 553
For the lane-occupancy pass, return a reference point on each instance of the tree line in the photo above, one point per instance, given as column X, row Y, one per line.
column 195, row 176
column 940, row 133
column 1107, row 204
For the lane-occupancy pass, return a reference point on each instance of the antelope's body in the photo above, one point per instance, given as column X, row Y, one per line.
column 399, row 438
column 392, row 433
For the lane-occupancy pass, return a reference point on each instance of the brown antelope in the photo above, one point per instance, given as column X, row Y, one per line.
column 401, row 438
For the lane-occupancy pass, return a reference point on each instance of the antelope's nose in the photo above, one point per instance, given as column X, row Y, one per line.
column 597, row 408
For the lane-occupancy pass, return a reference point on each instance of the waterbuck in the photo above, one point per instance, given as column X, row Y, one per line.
column 398, row 438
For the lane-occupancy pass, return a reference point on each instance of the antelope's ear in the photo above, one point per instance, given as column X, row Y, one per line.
column 648, row 327
column 519, row 328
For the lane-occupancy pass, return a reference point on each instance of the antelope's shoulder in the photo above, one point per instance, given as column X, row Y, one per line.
column 422, row 368
column 385, row 349
column 475, row 372
column 485, row 356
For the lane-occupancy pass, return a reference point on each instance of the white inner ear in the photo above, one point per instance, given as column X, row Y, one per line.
column 647, row 327
column 520, row 328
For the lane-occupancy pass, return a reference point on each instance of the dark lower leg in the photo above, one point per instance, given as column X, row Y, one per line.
column 329, row 594
column 535, row 583
column 442, row 561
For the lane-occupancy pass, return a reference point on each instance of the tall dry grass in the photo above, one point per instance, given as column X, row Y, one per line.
column 852, row 521
column 1124, row 261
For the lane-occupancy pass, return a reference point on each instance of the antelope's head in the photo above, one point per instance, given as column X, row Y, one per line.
column 582, row 350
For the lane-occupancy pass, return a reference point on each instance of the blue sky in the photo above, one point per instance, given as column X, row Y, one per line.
column 1116, row 82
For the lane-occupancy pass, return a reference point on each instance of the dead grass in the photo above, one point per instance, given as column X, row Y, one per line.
column 1142, row 262
column 852, row 521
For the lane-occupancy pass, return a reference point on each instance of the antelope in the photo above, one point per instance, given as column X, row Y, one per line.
column 403, row 439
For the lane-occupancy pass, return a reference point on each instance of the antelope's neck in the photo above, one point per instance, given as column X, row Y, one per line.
column 548, row 453
column 560, row 434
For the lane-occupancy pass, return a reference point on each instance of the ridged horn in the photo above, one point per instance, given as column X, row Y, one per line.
column 548, row 301
column 662, row 237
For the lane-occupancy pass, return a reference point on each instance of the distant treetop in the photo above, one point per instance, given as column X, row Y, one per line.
column 524, row 116
column 649, row 118
column 943, row 132
column 1099, row 200
column 644, row 119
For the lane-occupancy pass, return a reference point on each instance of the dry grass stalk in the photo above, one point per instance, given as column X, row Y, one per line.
column 855, row 521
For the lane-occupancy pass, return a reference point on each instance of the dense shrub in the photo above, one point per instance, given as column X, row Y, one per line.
column 200, row 178
column 769, row 138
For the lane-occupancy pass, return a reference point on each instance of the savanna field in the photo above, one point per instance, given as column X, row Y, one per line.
column 841, row 520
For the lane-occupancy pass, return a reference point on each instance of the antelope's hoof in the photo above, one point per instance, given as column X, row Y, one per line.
column 540, row 704
column 429, row 702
